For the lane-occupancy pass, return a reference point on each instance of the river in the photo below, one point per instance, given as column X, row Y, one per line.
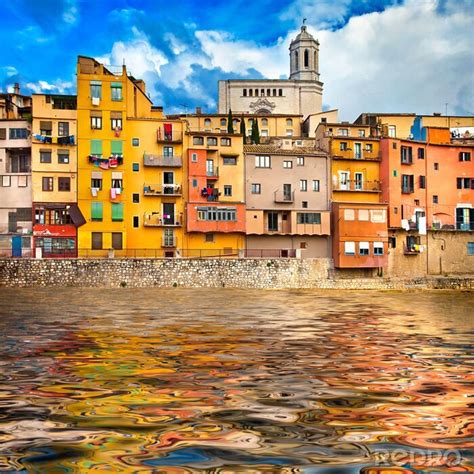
column 225, row 380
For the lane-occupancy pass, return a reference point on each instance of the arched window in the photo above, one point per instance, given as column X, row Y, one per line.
column 274, row 92
column 296, row 60
column 245, row 92
column 250, row 92
column 289, row 122
column 306, row 58
column 223, row 122
column 268, row 92
column 262, row 92
column 280, row 92
column 256, row 92
column 207, row 123
column 264, row 122
column 315, row 64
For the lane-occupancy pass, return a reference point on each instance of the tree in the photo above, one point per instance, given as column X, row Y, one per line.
column 243, row 131
column 230, row 123
column 255, row 132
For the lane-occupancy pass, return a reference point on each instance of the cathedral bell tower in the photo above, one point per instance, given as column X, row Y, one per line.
column 304, row 57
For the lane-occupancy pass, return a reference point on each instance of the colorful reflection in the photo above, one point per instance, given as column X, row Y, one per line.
column 248, row 381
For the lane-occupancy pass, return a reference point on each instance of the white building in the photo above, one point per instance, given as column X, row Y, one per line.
column 301, row 94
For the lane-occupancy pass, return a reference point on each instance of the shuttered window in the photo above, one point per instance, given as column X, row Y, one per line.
column 96, row 147
column 116, row 147
column 117, row 211
column 97, row 211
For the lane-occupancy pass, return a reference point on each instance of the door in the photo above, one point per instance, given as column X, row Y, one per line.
column 272, row 220
column 209, row 168
column 344, row 177
column 464, row 218
column 168, row 213
column 168, row 182
column 287, row 192
column 358, row 150
column 285, row 223
column 16, row 246
column 358, row 181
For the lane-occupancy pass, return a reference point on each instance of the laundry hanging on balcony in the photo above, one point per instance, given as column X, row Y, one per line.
column 168, row 128
column 68, row 140
column 106, row 163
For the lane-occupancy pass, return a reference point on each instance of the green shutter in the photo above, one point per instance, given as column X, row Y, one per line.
column 116, row 84
column 96, row 147
column 117, row 211
column 96, row 211
column 117, row 147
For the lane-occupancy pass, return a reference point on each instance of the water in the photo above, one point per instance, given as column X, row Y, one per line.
column 235, row 381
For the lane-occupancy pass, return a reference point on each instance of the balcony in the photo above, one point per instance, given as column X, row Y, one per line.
column 412, row 250
column 169, row 242
column 211, row 194
column 162, row 161
column 358, row 186
column 155, row 219
column 212, row 173
column 170, row 137
column 351, row 155
column 162, row 190
column 284, row 197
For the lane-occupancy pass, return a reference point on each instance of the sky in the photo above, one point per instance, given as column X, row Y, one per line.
column 412, row 56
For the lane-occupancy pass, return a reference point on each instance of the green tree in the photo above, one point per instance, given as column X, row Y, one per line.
column 255, row 132
column 243, row 131
column 230, row 122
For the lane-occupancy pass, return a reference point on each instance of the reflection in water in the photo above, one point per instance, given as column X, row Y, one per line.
column 235, row 380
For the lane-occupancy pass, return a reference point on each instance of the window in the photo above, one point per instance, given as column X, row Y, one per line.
column 18, row 133
column 435, row 199
column 136, row 198
column 3, row 133
column 117, row 211
column 195, row 183
column 63, row 157
column 361, row 133
column 421, row 153
column 116, row 124
column 392, row 242
column 46, row 127
column 209, row 237
column 136, row 167
column 300, row 161
column 227, row 190
column 392, row 131
column 18, row 163
column 316, row 186
column 96, row 123
column 194, row 157
column 117, row 183
column 96, row 240
column 378, row 215
column 217, row 214
column 436, row 166
column 264, row 133
column 464, row 156
column 117, row 240
column 470, row 248
column 306, row 58
column 167, row 151
column 364, row 248
column 64, row 184
column 207, row 123
column 96, row 89
column 211, row 141
column 225, row 141
column 406, row 155
column 45, row 156
column 304, row 204
column 265, row 121
column 349, row 248
column 96, row 183
column 135, row 142
column 303, row 185
column 280, row 92
column 287, row 164
column 256, row 188
column 6, row 181
column 47, row 184
column 223, row 122
column 407, row 183
column 358, row 181
column 22, row 181
column 97, row 210
column 289, row 122
column 244, row 92
column 465, row 183
column 63, row 129
column 229, row 160
column 363, row 214
column 369, row 147
column 96, row 147
column 343, row 146
column 308, row 217
column 136, row 222
column 116, row 147
column 60, row 216
column 394, row 145
column 289, row 133
column 116, row 91
column 343, row 132
column 378, row 248
column 349, row 214
column 262, row 162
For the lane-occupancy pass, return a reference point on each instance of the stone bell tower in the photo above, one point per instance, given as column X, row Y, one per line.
column 304, row 57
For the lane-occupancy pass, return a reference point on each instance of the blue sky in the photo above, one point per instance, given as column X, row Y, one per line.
column 375, row 55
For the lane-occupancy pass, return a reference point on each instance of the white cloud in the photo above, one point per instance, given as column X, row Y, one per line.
column 176, row 46
column 58, row 86
column 9, row 70
column 71, row 12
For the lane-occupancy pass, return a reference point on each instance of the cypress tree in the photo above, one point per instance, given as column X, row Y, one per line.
column 243, row 131
column 255, row 132
column 230, row 123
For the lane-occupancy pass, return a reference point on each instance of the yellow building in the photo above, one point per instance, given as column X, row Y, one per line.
column 54, row 175
column 106, row 98
column 355, row 161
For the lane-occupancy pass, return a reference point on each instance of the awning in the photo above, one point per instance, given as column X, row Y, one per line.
column 76, row 215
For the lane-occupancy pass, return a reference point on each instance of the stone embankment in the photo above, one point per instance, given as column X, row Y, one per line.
column 202, row 273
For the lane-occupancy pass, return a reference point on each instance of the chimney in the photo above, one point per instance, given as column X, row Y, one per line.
column 437, row 114
column 16, row 88
column 198, row 110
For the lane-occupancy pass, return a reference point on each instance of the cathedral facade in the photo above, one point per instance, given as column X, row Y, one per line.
column 301, row 94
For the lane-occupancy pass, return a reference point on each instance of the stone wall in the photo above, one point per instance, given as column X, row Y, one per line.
column 196, row 273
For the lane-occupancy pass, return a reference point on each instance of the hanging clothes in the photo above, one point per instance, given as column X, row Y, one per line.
column 168, row 128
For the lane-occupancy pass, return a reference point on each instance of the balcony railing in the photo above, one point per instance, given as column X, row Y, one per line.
column 155, row 219
column 363, row 156
column 412, row 250
column 162, row 190
column 283, row 196
column 360, row 186
column 163, row 161
column 171, row 137
column 211, row 194
column 214, row 173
